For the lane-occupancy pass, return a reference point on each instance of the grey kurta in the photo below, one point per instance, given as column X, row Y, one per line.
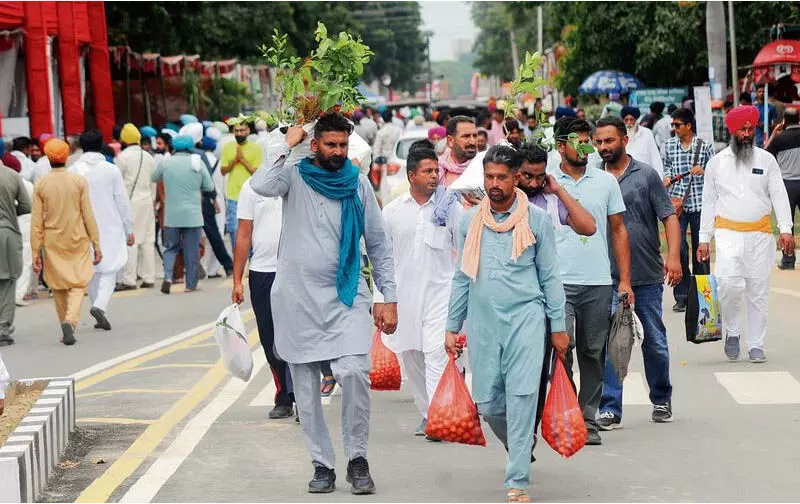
column 311, row 324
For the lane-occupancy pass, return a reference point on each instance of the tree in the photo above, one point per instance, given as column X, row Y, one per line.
column 218, row 30
column 662, row 43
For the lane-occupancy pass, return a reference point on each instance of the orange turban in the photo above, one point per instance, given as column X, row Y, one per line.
column 738, row 117
column 57, row 151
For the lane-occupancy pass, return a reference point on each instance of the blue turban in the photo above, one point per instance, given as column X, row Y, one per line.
column 148, row 131
column 182, row 143
column 630, row 111
column 209, row 143
column 188, row 119
column 172, row 126
column 207, row 124
column 565, row 112
column 2, row 147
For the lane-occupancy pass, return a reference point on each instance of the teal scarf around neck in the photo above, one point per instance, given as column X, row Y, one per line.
column 342, row 185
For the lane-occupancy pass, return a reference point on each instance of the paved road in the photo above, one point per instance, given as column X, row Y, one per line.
column 166, row 424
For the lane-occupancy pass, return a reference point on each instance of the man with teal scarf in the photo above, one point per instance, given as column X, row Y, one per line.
column 320, row 299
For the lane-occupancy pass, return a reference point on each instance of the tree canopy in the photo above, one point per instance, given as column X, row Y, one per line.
column 662, row 43
column 235, row 30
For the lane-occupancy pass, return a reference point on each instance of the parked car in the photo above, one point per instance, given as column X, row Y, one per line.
column 394, row 180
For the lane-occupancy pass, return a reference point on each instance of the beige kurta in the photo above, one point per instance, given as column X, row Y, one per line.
column 63, row 228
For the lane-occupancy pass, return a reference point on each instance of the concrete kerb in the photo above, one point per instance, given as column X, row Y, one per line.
column 30, row 454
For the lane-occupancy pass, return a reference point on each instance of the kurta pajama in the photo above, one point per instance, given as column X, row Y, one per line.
column 14, row 201
column 141, row 192
column 424, row 263
column 63, row 227
column 505, row 310
column 737, row 202
column 311, row 323
column 114, row 221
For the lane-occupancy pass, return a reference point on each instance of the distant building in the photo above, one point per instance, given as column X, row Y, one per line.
column 461, row 46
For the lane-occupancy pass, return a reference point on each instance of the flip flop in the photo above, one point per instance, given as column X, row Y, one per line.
column 324, row 386
column 517, row 495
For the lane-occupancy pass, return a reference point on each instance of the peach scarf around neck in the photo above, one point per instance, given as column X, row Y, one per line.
column 521, row 234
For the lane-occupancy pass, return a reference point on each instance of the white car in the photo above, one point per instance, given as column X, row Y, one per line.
column 394, row 180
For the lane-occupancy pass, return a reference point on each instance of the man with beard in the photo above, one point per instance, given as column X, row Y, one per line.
column 684, row 154
column 320, row 298
column 137, row 168
column 482, row 140
column 114, row 221
column 21, row 149
column 240, row 160
column 543, row 191
column 514, row 133
column 585, row 264
column 506, row 287
column 743, row 186
column 424, row 264
column 646, row 203
column 462, row 146
column 641, row 143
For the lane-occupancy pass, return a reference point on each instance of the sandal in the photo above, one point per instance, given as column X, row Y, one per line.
column 326, row 383
column 517, row 495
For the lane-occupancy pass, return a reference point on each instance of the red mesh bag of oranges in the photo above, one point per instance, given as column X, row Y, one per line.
column 452, row 415
column 562, row 420
column 385, row 372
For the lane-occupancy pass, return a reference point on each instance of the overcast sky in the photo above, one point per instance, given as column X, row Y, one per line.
column 449, row 21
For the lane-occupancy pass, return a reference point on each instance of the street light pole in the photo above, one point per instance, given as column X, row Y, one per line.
column 428, row 34
column 734, row 64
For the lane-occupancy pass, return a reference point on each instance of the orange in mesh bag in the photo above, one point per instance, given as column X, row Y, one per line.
column 385, row 372
column 452, row 415
column 562, row 420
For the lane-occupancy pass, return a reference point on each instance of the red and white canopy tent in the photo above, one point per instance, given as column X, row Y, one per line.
column 45, row 33
column 776, row 60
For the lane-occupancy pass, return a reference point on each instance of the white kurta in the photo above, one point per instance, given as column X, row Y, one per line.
column 745, row 194
column 111, row 209
column 27, row 167
column 24, row 222
column 424, row 262
column 642, row 147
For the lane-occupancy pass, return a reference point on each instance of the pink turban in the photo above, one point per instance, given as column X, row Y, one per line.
column 438, row 131
column 738, row 117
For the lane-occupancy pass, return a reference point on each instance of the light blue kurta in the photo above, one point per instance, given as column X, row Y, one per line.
column 505, row 308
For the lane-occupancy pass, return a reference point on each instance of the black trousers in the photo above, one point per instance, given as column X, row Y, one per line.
column 688, row 220
column 793, row 189
column 260, row 288
column 214, row 237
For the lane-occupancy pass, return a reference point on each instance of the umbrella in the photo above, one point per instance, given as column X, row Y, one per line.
column 778, row 57
column 609, row 81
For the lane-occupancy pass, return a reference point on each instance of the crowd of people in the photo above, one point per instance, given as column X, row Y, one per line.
column 530, row 267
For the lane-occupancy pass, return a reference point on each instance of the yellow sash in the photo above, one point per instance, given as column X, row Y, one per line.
column 762, row 225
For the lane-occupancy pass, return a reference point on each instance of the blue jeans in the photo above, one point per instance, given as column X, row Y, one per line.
column 231, row 221
column 687, row 220
column 188, row 240
column 655, row 352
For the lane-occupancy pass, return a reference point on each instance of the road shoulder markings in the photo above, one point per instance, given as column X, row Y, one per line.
column 770, row 387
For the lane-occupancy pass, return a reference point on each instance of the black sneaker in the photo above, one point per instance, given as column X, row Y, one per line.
column 6, row 340
column 609, row 421
column 324, row 480
column 358, row 476
column 147, row 285
column 296, row 416
column 662, row 413
column 100, row 316
column 280, row 412
column 68, row 334
column 679, row 307
column 165, row 286
column 593, row 438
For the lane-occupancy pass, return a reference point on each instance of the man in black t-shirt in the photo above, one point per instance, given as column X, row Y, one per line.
column 784, row 144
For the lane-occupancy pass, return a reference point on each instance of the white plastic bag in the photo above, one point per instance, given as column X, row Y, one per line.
column 472, row 178
column 230, row 336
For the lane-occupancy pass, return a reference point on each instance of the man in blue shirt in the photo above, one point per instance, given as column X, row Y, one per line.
column 585, row 264
column 772, row 119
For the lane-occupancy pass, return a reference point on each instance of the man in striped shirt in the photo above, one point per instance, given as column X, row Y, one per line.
column 685, row 159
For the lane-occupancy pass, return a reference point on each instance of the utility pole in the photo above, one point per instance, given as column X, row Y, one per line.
column 734, row 64
column 428, row 34
column 514, row 51
column 539, row 30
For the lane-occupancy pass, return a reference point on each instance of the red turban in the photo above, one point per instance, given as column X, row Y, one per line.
column 12, row 162
column 738, row 117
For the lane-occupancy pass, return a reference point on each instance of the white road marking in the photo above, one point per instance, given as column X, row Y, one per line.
column 266, row 397
column 770, row 387
column 146, row 487
column 787, row 292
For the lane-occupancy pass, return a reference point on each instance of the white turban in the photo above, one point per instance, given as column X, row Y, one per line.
column 194, row 130
column 214, row 133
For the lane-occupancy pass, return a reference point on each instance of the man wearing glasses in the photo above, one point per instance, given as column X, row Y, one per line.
column 685, row 159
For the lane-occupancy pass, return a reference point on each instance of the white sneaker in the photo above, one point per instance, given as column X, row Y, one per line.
column 22, row 302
